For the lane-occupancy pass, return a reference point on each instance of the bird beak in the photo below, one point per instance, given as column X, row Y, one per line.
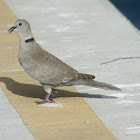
column 12, row 29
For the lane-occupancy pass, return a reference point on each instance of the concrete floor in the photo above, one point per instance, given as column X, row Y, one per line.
column 68, row 118
column 85, row 34
column 11, row 125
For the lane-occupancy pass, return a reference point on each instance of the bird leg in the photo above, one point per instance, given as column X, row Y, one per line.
column 51, row 96
column 48, row 97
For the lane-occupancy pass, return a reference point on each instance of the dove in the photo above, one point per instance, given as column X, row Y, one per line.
column 44, row 67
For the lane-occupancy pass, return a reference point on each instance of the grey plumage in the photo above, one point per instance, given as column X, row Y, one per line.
column 45, row 67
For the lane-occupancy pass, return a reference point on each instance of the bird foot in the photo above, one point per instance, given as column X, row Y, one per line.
column 39, row 103
column 44, row 101
column 48, row 98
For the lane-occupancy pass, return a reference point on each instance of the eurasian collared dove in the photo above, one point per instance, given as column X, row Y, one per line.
column 45, row 67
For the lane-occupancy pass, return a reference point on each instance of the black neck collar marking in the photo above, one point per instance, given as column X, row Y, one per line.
column 29, row 40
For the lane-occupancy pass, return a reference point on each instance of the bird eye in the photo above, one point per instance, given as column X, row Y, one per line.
column 20, row 24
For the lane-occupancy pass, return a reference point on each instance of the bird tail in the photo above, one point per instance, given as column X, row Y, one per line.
column 94, row 83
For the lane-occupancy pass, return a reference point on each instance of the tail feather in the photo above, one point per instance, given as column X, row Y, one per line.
column 104, row 85
column 83, row 76
column 93, row 83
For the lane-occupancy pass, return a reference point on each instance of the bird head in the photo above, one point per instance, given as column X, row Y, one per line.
column 22, row 27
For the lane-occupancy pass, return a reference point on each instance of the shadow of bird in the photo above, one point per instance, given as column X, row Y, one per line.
column 36, row 91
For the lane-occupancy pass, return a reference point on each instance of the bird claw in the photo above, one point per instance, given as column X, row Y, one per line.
column 39, row 103
column 51, row 100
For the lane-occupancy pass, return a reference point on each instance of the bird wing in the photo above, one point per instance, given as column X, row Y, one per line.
column 47, row 69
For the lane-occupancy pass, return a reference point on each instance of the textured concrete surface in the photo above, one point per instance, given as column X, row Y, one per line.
column 11, row 125
column 69, row 118
column 85, row 34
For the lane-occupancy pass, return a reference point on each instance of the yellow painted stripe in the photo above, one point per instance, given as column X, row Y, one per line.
column 74, row 121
